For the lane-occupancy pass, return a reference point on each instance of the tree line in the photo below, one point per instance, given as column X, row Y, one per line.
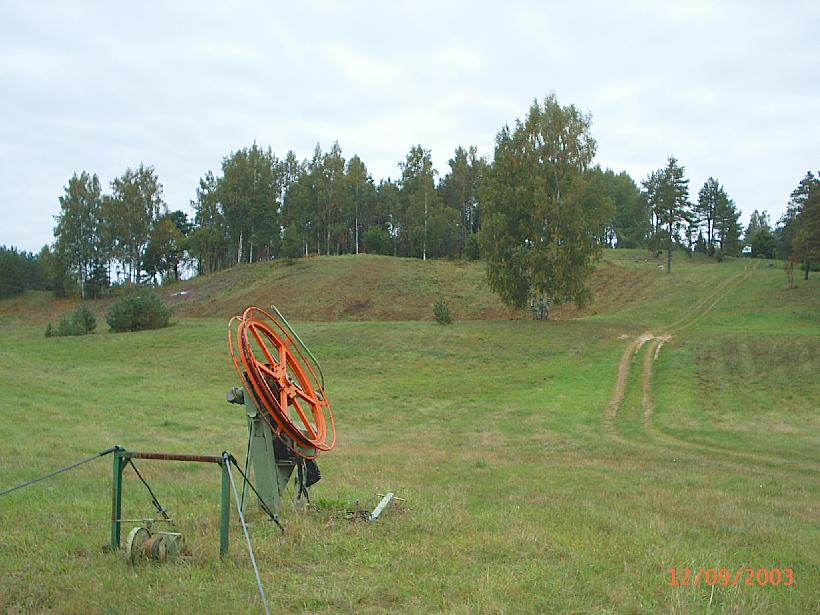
column 542, row 177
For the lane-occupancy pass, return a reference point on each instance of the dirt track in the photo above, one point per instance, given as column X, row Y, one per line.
column 659, row 440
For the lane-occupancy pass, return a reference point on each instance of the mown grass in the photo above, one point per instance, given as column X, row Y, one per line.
column 518, row 498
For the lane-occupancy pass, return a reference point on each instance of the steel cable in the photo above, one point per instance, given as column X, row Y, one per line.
column 60, row 471
column 226, row 459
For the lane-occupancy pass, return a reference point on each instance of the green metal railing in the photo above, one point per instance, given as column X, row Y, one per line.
column 121, row 459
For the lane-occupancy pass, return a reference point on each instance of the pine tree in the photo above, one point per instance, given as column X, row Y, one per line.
column 667, row 192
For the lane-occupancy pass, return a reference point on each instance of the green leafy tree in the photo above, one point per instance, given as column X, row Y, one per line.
column 78, row 240
column 388, row 211
column 290, row 170
column 799, row 229
column 543, row 212
column 631, row 223
column 302, row 201
column 377, row 241
column 131, row 211
column 291, row 242
column 249, row 193
column 208, row 240
column 420, row 204
column 166, row 246
column 361, row 197
column 12, row 272
column 711, row 198
column 760, row 236
column 57, row 278
column 700, row 243
column 332, row 198
column 459, row 190
column 667, row 193
column 727, row 227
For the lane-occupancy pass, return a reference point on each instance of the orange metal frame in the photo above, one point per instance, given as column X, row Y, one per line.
column 273, row 367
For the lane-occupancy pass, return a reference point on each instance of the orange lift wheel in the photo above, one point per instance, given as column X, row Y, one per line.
column 275, row 371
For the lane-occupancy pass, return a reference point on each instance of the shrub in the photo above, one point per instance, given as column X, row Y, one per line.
column 137, row 311
column 441, row 312
column 376, row 240
column 80, row 322
column 291, row 244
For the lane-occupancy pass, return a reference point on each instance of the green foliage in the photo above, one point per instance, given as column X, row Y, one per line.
column 760, row 236
column 631, row 224
column 136, row 311
column 719, row 217
column 360, row 200
column 441, row 312
column 727, row 227
column 427, row 228
column 166, row 245
column 667, row 193
column 799, row 228
column 12, row 275
column 208, row 240
column 460, row 193
column 544, row 212
column 80, row 322
column 130, row 214
column 472, row 250
column 80, row 239
column 20, row 271
column 250, row 197
column 377, row 241
column 291, row 243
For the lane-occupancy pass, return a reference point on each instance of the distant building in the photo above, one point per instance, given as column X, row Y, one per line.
column 746, row 251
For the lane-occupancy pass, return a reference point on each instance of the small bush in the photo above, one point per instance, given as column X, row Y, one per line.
column 81, row 322
column 137, row 311
column 441, row 312
column 376, row 240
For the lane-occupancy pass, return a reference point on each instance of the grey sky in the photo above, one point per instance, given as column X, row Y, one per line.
column 730, row 88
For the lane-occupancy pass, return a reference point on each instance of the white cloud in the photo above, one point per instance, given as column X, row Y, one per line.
column 728, row 87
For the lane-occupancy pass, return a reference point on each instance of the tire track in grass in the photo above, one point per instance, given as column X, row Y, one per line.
column 661, row 440
column 658, row 435
column 702, row 306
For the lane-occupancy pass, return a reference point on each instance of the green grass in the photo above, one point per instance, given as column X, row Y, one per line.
column 518, row 497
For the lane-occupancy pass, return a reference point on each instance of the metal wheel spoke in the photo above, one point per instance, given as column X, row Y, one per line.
column 304, row 418
column 262, row 345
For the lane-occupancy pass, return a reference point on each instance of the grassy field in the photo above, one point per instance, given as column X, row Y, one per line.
column 560, row 466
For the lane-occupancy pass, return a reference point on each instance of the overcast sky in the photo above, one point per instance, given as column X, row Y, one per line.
column 730, row 88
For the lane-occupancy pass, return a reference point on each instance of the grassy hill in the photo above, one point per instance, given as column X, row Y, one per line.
column 561, row 466
column 377, row 288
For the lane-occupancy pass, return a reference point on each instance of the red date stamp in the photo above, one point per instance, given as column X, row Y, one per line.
column 725, row 577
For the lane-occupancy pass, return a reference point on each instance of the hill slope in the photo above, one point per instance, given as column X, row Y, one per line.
column 627, row 284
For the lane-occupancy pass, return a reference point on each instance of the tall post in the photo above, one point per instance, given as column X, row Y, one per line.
column 116, row 501
column 225, row 511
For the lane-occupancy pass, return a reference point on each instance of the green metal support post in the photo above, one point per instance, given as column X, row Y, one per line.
column 116, row 500
column 225, row 511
